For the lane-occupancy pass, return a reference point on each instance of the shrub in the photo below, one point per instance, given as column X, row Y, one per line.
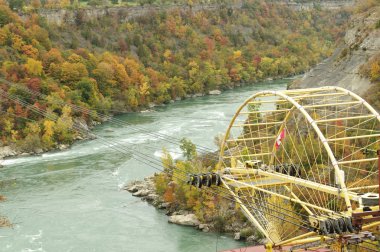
column 247, row 232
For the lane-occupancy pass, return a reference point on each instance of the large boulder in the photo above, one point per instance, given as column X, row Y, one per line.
column 215, row 92
column 204, row 227
column 132, row 188
column 185, row 220
column 237, row 236
column 252, row 239
column 7, row 151
column 141, row 193
column 151, row 197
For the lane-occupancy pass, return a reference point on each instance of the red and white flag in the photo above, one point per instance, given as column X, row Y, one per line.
column 279, row 138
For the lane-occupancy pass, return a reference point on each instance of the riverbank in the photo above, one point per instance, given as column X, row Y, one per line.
column 146, row 191
column 13, row 151
column 79, row 189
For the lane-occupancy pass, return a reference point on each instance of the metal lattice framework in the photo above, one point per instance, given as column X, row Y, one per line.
column 294, row 158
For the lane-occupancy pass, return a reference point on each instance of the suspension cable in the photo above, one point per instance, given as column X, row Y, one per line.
column 141, row 155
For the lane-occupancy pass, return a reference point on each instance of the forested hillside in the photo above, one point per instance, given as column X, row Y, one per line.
column 109, row 66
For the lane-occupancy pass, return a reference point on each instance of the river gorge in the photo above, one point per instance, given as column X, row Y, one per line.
column 73, row 200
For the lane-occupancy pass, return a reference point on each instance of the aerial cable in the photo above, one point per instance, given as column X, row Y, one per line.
column 142, row 160
column 119, row 122
column 88, row 111
column 154, row 161
column 209, row 155
column 110, row 144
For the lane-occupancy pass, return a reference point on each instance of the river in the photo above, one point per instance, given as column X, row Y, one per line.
column 73, row 200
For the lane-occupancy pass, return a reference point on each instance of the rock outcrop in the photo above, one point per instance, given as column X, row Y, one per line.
column 361, row 42
column 124, row 13
column 146, row 190
column 185, row 220
column 121, row 13
column 214, row 92
column 7, row 151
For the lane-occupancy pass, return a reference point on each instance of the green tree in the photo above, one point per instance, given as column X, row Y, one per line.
column 88, row 91
column 16, row 4
column 189, row 149
column 6, row 16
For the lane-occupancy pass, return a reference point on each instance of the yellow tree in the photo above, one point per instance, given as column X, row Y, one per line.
column 121, row 76
column 144, row 89
column 53, row 56
column 65, row 3
column 36, row 4
column 375, row 71
column 133, row 70
column 237, row 55
column 64, row 124
column 72, row 72
column 34, row 67
column 47, row 137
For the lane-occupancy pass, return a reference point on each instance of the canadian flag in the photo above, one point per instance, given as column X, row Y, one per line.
column 279, row 138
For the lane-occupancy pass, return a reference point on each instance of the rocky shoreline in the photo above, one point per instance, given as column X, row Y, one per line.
column 10, row 151
column 145, row 190
column 13, row 151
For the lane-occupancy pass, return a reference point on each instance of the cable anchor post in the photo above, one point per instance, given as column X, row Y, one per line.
column 268, row 247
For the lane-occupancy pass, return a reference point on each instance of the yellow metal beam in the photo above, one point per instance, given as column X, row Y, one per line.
column 295, row 180
column 345, row 118
column 296, row 197
column 357, row 161
column 318, row 95
column 263, row 111
column 331, row 104
column 260, row 183
column 282, row 196
column 309, row 90
column 250, row 139
column 249, row 155
column 244, row 208
column 269, row 101
column 308, row 240
column 352, row 137
column 307, row 183
column 284, row 243
column 256, row 124
column 369, row 226
column 363, row 187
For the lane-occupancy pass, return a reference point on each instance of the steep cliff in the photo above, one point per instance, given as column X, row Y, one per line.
column 61, row 16
column 360, row 44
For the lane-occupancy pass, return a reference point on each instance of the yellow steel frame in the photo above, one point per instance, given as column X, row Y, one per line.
column 289, row 179
column 293, row 97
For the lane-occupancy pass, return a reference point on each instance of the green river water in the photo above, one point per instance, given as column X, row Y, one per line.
column 73, row 200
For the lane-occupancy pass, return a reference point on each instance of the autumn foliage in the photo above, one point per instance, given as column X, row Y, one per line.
column 106, row 65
